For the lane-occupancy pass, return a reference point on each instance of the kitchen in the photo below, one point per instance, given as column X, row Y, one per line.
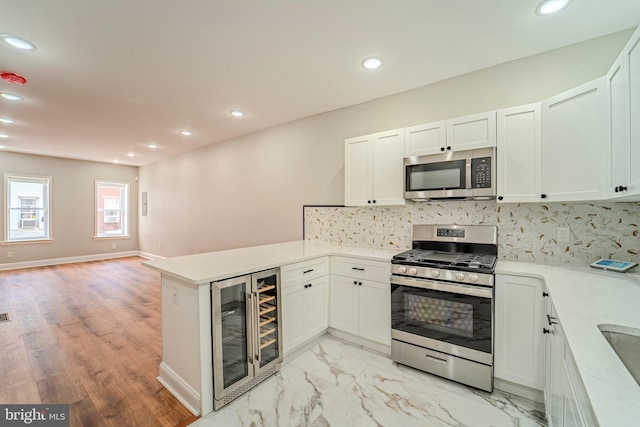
column 216, row 184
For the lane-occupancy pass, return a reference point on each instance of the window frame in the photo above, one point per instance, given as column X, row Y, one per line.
column 124, row 211
column 47, row 210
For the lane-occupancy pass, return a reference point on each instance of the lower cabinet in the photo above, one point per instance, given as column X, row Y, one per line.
column 566, row 402
column 359, row 305
column 519, row 337
column 305, row 313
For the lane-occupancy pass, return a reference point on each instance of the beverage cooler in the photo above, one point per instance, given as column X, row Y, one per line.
column 247, row 337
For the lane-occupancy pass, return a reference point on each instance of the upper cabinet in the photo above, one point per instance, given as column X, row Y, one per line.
column 519, row 154
column 576, row 144
column 462, row 133
column 374, row 169
column 624, row 99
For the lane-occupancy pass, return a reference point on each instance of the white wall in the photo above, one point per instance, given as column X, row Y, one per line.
column 250, row 190
column 72, row 205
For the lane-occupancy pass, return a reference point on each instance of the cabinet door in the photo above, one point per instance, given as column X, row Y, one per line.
column 292, row 315
column 557, row 379
column 388, row 168
column 471, row 132
column 357, row 168
column 343, row 306
column 315, row 317
column 519, row 155
column 619, row 121
column 424, row 139
column 519, row 343
column 576, row 144
column 374, row 319
column 632, row 61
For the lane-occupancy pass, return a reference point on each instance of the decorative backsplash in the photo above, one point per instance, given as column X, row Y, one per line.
column 526, row 232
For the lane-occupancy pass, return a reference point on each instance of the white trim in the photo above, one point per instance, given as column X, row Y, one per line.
column 532, row 394
column 114, row 237
column 149, row 255
column 68, row 260
column 377, row 347
column 179, row 388
column 25, row 242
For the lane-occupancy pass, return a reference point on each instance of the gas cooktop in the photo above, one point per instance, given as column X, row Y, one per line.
column 431, row 258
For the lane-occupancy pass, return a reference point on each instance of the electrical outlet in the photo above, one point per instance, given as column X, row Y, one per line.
column 113, row 246
column 159, row 245
column 9, row 254
column 175, row 296
column 562, row 234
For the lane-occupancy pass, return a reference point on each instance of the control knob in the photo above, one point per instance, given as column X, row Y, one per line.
column 402, row 269
column 460, row 276
column 413, row 271
column 473, row 277
column 435, row 273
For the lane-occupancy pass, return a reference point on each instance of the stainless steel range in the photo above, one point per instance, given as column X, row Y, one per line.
column 442, row 303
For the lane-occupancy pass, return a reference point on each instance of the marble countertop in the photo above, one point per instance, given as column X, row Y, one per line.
column 585, row 298
column 201, row 269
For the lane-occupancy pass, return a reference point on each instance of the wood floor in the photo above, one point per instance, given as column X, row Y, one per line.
column 86, row 334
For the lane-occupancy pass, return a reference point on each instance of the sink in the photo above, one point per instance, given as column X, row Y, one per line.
column 625, row 342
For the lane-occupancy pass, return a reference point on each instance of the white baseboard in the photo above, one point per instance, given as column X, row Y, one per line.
column 179, row 388
column 149, row 255
column 519, row 390
column 67, row 260
column 384, row 350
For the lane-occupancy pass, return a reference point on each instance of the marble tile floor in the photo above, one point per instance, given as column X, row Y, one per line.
column 339, row 384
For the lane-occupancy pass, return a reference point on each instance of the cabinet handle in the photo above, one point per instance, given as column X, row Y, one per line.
column 368, row 201
column 623, row 188
column 500, row 197
column 448, row 148
column 546, row 331
column 441, row 148
column 374, row 201
column 357, row 268
column 545, row 294
column 355, row 282
column 307, row 271
column 359, row 283
column 543, row 196
column 436, row 359
column 550, row 320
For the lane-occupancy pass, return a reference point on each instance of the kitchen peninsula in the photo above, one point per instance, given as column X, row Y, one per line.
column 583, row 298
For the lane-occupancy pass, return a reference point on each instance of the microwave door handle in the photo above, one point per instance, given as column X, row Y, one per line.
column 468, row 173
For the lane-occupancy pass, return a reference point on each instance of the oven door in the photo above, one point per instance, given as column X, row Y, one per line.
column 452, row 318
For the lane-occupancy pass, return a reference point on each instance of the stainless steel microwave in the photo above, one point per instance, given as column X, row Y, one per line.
column 457, row 175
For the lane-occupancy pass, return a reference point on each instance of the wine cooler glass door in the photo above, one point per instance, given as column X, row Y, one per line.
column 268, row 347
column 231, row 331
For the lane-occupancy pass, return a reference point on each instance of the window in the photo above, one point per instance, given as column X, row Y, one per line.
column 112, row 209
column 28, row 202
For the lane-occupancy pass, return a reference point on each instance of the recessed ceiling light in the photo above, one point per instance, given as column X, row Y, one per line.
column 186, row 132
column 4, row 136
column 10, row 96
column 6, row 120
column 17, row 42
column 152, row 146
column 549, row 7
column 236, row 113
column 131, row 154
column 373, row 63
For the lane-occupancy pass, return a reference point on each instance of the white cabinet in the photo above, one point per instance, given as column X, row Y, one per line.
column 305, row 298
column 424, row 139
column 624, row 92
column 566, row 402
column 462, row 133
column 360, row 299
column 374, row 169
column 519, row 154
column 576, row 144
column 519, row 338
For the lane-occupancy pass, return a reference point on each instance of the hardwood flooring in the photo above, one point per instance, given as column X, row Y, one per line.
column 87, row 334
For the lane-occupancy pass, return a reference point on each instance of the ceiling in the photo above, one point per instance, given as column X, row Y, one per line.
column 110, row 77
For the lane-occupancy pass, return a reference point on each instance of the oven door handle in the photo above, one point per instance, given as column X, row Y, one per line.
column 444, row 287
